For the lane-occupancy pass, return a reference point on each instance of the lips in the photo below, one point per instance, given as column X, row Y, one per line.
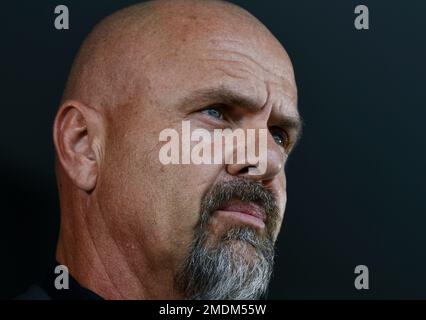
column 250, row 209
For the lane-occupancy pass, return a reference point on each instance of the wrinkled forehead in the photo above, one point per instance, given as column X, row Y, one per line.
column 237, row 54
column 174, row 51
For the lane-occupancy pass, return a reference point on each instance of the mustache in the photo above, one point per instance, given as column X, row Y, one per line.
column 246, row 191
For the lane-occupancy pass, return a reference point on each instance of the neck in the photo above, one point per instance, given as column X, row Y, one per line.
column 111, row 268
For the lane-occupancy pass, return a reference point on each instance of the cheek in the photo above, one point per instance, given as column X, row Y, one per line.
column 281, row 196
column 173, row 193
column 156, row 204
column 183, row 187
column 177, row 193
column 280, row 187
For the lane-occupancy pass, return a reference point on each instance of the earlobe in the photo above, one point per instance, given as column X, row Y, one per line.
column 74, row 132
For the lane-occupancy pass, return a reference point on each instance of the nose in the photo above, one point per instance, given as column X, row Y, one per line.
column 266, row 169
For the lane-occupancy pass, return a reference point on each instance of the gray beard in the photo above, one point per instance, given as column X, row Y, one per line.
column 238, row 268
column 239, row 264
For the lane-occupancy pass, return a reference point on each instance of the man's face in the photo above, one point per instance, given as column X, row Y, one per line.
column 215, row 80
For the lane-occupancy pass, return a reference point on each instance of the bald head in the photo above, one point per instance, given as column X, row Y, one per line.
column 135, row 227
column 114, row 63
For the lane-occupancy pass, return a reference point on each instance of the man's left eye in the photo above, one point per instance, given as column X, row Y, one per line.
column 214, row 112
column 280, row 137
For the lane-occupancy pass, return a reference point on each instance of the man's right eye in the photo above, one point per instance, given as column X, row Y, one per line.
column 215, row 112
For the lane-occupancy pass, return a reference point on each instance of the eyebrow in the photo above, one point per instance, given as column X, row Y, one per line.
column 224, row 95
column 230, row 97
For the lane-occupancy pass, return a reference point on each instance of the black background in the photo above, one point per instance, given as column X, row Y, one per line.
column 356, row 182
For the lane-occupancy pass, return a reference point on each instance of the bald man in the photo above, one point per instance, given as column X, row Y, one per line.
column 133, row 227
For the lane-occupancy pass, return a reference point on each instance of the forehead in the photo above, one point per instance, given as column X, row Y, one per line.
column 255, row 67
column 226, row 49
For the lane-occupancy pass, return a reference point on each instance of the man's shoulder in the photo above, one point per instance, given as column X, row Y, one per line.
column 34, row 292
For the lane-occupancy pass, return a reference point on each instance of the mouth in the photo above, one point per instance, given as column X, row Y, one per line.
column 243, row 213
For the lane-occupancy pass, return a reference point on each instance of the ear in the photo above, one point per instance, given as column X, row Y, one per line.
column 76, row 137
